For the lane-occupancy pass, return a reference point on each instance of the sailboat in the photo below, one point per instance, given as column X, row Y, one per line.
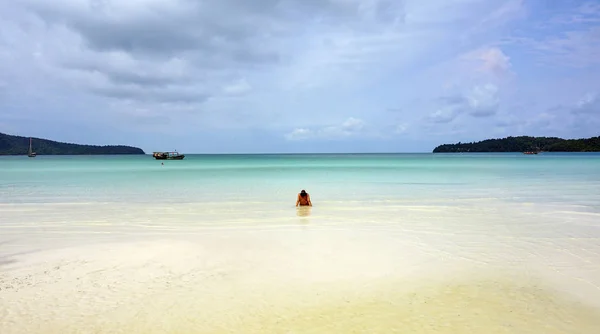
column 31, row 154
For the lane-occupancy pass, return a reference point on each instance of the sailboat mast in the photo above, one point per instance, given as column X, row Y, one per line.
column 31, row 154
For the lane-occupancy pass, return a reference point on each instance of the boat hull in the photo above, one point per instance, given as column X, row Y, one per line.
column 178, row 157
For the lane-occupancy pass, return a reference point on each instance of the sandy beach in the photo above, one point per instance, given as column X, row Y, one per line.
column 374, row 269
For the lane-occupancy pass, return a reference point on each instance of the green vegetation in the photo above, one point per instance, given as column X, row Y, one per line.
column 16, row 145
column 523, row 144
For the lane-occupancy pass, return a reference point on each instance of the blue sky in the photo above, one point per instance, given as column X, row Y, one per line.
column 236, row 76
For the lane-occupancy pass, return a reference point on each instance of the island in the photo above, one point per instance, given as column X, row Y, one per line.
column 17, row 145
column 524, row 144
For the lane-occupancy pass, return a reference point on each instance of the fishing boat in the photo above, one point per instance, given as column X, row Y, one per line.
column 31, row 154
column 536, row 150
column 168, row 155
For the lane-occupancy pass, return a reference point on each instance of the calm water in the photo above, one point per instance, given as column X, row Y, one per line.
column 123, row 244
column 546, row 178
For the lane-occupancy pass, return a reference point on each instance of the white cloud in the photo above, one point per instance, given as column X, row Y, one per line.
column 478, row 101
column 488, row 60
column 472, row 84
column 483, row 101
column 401, row 128
column 477, row 66
column 353, row 124
column 299, row 134
column 349, row 128
column 445, row 114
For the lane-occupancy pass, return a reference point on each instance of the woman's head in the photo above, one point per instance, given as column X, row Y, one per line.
column 303, row 193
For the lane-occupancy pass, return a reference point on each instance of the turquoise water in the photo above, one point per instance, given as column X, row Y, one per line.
column 106, row 244
column 572, row 178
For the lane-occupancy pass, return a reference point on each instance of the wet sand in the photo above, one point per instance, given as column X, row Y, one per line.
column 434, row 269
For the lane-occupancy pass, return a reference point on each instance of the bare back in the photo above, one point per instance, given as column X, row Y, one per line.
column 303, row 201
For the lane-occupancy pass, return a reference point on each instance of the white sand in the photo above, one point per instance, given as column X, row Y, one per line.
column 393, row 267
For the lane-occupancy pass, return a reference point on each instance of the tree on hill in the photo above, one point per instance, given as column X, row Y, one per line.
column 523, row 144
column 17, row 145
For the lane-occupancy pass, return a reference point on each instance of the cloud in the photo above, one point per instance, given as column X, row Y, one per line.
column 549, row 121
column 233, row 30
column 472, row 85
column 587, row 12
column 488, row 60
column 507, row 121
column 476, row 66
column 579, row 48
column 585, row 116
column 238, row 87
column 479, row 101
column 506, row 11
column 120, row 67
column 156, row 27
column 482, row 101
column 134, row 45
column 350, row 127
column 401, row 128
column 169, row 94
column 568, row 38
column 299, row 134
column 147, row 117
column 238, row 67
column 580, row 118
column 444, row 115
column 588, row 105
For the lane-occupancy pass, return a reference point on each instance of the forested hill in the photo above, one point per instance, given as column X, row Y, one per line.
column 17, row 145
column 524, row 143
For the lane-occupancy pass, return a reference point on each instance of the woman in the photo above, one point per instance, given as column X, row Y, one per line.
column 303, row 199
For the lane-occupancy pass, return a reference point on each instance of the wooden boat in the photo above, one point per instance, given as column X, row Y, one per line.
column 168, row 155
column 31, row 154
column 534, row 151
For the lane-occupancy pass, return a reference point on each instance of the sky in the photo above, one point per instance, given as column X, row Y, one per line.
column 298, row 76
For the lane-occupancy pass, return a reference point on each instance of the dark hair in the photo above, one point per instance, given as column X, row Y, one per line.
column 303, row 193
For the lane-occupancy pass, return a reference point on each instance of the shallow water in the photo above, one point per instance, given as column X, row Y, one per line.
column 502, row 243
column 277, row 178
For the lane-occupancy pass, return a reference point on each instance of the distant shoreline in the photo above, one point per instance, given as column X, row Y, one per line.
column 17, row 145
column 301, row 154
column 523, row 144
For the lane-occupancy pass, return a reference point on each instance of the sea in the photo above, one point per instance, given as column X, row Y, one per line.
column 273, row 180
column 374, row 217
